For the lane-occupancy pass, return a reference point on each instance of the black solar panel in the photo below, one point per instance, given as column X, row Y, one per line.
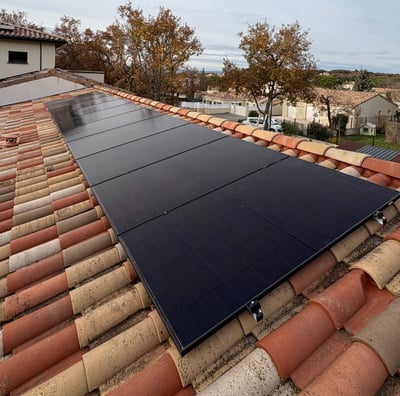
column 71, row 113
column 95, row 139
column 140, row 152
column 210, row 222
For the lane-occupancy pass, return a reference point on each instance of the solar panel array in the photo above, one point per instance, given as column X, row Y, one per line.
column 211, row 223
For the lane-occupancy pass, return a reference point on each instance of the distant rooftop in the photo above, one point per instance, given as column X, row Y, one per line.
column 10, row 31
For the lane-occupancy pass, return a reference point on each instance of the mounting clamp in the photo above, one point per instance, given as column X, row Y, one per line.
column 380, row 217
column 254, row 308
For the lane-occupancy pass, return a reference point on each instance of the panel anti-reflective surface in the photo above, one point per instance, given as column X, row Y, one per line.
column 210, row 222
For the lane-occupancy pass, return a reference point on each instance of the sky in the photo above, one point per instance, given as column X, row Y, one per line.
column 345, row 34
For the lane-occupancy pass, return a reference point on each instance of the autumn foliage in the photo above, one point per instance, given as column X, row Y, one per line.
column 141, row 54
column 279, row 65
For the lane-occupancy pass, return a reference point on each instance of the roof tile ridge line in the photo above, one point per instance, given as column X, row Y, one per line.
column 152, row 103
column 33, row 30
column 38, row 75
column 119, row 92
column 281, row 136
column 380, row 165
column 354, row 158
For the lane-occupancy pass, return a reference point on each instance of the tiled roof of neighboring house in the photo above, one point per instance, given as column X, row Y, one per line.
column 394, row 93
column 9, row 31
column 76, row 319
column 346, row 98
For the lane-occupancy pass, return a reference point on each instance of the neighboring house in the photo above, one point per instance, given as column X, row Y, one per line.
column 392, row 94
column 24, row 50
column 240, row 105
column 360, row 107
column 75, row 316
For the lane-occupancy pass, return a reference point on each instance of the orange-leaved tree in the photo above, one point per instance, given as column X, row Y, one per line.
column 156, row 48
column 142, row 54
column 279, row 66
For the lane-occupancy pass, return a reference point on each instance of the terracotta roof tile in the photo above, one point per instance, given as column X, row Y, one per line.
column 382, row 180
column 351, row 170
column 320, row 359
column 149, row 381
column 268, row 136
column 245, row 129
column 316, row 268
column 309, row 328
column 393, row 286
column 248, row 139
column 349, row 157
column 344, row 298
column 255, row 374
column 328, row 163
column 382, row 263
column 383, row 167
column 287, row 141
column 308, row 157
column 375, row 302
column 216, row 121
column 343, row 248
column 230, row 125
column 314, row 147
column 365, row 374
column 345, row 98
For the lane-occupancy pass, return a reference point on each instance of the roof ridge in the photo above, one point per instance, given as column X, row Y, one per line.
column 20, row 32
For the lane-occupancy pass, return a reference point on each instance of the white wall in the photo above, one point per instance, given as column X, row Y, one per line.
column 36, row 89
column 377, row 105
column 39, row 57
column 206, row 108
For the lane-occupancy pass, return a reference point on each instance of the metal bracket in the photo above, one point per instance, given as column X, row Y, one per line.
column 380, row 217
column 254, row 308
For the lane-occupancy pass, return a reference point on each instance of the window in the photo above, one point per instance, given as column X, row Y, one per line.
column 17, row 57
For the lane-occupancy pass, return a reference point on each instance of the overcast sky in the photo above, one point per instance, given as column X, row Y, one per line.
column 345, row 34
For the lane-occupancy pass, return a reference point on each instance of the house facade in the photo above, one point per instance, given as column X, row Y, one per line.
column 239, row 105
column 360, row 107
column 24, row 50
